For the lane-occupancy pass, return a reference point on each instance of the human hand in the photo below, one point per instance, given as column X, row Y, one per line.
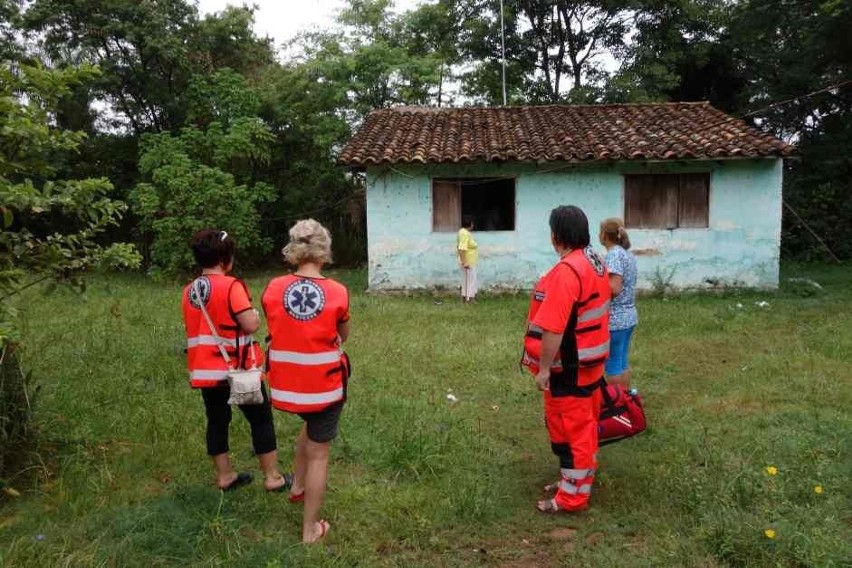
column 542, row 379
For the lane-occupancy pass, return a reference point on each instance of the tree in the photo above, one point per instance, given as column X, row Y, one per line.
column 50, row 223
column 559, row 45
column 366, row 60
column 681, row 51
column 148, row 51
column 206, row 175
column 791, row 51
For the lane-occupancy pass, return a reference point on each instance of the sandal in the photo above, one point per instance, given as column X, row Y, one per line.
column 243, row 478
column 288, row 483
column 324, row 528
column 296, row 497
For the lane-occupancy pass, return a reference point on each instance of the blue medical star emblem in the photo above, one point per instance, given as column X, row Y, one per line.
column 304, row 300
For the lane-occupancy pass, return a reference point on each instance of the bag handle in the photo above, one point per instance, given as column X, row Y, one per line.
column 212, row 326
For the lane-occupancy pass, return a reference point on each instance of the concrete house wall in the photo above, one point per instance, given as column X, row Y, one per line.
column 740, row 247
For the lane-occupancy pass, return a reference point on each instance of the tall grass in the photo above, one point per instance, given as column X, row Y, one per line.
column 418, row 481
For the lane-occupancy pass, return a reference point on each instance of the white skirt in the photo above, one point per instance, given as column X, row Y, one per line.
column 469, row 284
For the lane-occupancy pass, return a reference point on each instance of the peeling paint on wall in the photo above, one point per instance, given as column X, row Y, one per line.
column 741, row 246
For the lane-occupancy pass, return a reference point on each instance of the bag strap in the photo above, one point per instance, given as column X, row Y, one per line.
column 219, row 343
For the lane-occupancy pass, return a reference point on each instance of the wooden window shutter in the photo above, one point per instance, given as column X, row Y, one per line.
column 446, row 206
column 694, row 201
column 651, row 201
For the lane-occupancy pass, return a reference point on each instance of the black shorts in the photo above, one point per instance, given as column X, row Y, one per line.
column 322, row 425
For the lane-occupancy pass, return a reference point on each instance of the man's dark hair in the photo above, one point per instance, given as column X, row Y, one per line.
column 211, row 247
column 467, row 221
column 570, row 227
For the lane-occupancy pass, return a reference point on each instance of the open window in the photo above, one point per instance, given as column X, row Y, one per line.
column 667, row 201
column 489, row 202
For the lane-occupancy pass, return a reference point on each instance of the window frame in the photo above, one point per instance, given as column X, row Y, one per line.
column 459, row 181
column 706, row 174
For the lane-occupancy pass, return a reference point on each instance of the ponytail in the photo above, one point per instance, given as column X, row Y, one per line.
column 614, row 232
column 623, row 239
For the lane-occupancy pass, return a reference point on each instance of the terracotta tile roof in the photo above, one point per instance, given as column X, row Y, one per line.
column 566, row 133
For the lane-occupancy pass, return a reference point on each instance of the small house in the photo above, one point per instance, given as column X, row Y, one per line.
column 699, row 191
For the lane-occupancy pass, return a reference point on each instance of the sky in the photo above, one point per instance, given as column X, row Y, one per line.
column 283, row 19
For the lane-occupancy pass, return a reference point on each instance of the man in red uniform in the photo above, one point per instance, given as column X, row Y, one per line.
column 566, row 344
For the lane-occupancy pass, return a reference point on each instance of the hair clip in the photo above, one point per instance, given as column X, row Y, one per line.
column 223, row 235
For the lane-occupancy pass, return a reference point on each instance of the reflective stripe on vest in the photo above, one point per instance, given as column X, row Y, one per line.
column 594, row 352
column 211, row 340
column 594, row 314
column 208, row 375
column 307, row 398
column 322, row 358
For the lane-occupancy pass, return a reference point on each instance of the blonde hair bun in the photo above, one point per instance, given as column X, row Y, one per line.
column 309, row 242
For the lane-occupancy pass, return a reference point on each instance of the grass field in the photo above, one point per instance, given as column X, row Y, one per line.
column 416, row 481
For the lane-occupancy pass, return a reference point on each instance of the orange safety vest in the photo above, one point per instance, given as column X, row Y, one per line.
column 207, row 367
column 306, row 367
column 585, row 342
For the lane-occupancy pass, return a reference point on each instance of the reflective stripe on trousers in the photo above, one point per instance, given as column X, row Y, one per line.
column 322, row 358
column 307, row 398
column 577, row 474
column 571, row 489
column 211, row 340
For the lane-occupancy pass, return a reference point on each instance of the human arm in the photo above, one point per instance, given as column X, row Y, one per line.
column 560, row 294
column 550, row 343
column 461, row 259
column 615, row 267
column 343, row 329
column 248, row 318
column 616, row 284
column 462, row 246
column 344, row 325
column 249, row 321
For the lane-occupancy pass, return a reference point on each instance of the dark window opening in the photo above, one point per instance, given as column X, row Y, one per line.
column 489, row 202
column 667, row 201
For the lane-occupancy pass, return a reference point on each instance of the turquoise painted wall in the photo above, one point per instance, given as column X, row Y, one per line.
column 741, row 246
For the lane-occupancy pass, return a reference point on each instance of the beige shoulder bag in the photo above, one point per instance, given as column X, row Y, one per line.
column 246, row 385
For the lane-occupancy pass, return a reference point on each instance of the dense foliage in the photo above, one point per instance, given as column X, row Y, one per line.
column 244, row 125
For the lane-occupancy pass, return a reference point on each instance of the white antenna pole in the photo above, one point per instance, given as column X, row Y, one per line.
column 503, row 47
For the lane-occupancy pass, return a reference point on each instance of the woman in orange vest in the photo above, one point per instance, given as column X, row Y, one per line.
column 228, row 306
column 308, row 317
column 566, row 344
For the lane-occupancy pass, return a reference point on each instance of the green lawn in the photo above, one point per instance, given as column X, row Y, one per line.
column 416, row 481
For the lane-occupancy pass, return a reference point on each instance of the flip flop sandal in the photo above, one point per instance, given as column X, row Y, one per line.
column 551, row 487
column 296, row 497
column 547, row 506
column 288, row 483
column 243, row 478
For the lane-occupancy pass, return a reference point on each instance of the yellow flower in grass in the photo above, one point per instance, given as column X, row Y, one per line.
column 772, row 470
column 769, row 533
column 818, row 489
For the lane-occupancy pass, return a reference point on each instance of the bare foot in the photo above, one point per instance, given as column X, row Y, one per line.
column 318, row 533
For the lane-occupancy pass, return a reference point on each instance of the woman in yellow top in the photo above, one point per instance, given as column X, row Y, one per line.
column 468, row 255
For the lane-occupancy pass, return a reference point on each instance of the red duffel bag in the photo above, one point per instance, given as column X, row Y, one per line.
column 621, row 415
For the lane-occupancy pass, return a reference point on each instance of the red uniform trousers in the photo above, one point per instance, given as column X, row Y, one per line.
column 572, row 423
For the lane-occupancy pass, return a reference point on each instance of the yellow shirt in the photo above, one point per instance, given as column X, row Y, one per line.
column 469, row 246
